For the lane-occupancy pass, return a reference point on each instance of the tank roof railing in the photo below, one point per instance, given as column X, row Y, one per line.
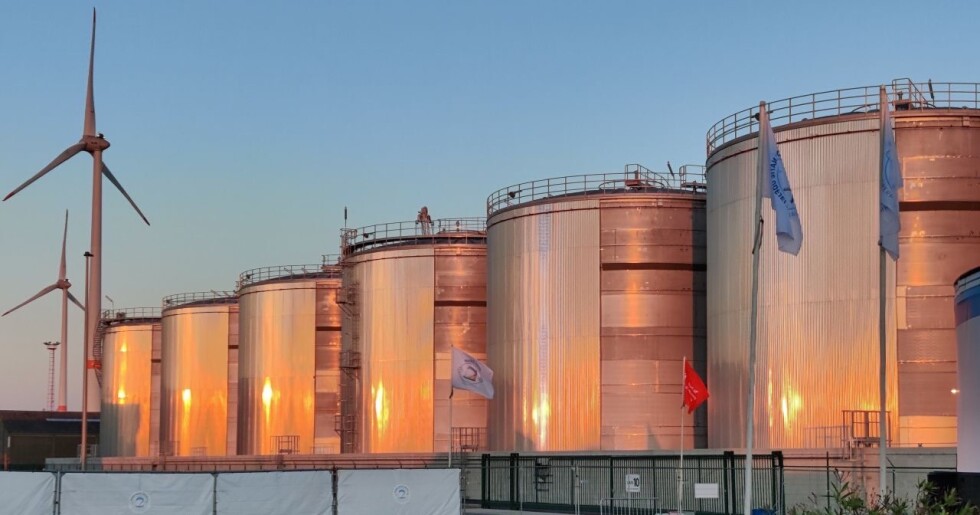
column 330, row 260
column 904, row 93
column 413, row 232
column 633, row 178
column 199, row 297
column 119, row 314
column 257, row 275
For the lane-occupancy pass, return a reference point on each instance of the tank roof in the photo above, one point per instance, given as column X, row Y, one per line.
column 634, row 178
column 287, row 273
column 905, row 94
column 198, row 299
column 440, row 231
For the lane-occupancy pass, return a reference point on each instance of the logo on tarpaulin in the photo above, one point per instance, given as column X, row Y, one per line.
column 402, row 494
column 139, row 502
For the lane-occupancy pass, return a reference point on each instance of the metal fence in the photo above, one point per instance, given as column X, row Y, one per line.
column 571, row 484
column 119, row 314
column 459, row 230
column 904, row 93
column 627, row 506
column 257, row 275
column 199, row 297
column 634, row 177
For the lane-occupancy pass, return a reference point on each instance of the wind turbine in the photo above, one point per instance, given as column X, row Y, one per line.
column 94, row 143
column 63, row 285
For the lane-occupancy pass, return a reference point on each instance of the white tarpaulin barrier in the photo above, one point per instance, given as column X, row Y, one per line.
column 398, row 492
column 118, row 493
column 27, row 493
column 269, row 493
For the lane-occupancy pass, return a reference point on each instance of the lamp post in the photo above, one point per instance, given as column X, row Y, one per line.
column 51, row 346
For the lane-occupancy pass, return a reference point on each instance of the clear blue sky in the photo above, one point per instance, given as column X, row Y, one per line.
column 243, row 128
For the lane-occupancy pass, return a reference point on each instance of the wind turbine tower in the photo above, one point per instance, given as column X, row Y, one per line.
column 94, row 143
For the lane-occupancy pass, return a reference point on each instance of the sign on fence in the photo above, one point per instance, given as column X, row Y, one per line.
column 705, row 490
column 632, row 483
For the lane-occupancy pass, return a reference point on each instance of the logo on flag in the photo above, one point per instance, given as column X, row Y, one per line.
column 695, row 392
column 470, row 374
column 789, row 231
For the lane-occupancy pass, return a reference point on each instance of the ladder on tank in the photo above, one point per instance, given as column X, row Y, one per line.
column 345, row 423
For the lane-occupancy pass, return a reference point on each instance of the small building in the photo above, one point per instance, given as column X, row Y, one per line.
column 27, row 438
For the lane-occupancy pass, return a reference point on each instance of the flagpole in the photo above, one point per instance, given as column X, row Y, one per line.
column 882, row 415
column 680, row 473
column 756, row 244
column 451, row 391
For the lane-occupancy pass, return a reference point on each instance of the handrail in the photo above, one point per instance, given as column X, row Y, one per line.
column 906, row 95
column 117, row 314
column 266, row 273
column 416, row 231
column 331, row 260
column 199, row 297
column 634, row 178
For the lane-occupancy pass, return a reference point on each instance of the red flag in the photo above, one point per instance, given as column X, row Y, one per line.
column 695, row 392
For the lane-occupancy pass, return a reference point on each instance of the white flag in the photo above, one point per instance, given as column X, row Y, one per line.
column 789, row 231
column 891, row 181
column 470, row 374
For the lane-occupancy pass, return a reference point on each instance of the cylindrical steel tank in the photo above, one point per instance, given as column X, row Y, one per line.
column 129, row 342
column 200, row 348
column 412, row 291
column 595, row 297
column 288, row 359
column 818, row 343
column 967, row 310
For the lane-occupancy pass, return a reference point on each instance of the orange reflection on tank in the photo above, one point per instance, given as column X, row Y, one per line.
column 540, row 415
column 186, row 397
column 121, row 395
column 381, row 410
column 267, row 397
column 791, row 405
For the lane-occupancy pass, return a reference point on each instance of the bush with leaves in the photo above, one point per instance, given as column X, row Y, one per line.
column 846, row 499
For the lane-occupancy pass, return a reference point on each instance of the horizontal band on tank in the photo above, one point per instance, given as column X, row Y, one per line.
column 328, row 328
column 693, row 267
column 460, row 303
column 940, row 205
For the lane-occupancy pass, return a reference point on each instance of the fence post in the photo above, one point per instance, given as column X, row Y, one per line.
column 728, row 471
column 515, row 486
column 484, row 480
column 214, row 493
column 779, row 483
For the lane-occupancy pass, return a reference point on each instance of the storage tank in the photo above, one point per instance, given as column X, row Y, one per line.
column 596, row 291
column 412, row 291
column 199, row 376
column 967, row 310
column 288, row 359
column 128, row 340
column 818, row 343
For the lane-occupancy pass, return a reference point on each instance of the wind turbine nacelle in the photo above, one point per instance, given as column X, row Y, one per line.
column 95, row 143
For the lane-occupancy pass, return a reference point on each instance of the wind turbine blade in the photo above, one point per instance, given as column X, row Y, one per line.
column 64, row 156
column 73, row 299
column 89, row 129
column 64, row 241
column 39, row 294
column 113, row 180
